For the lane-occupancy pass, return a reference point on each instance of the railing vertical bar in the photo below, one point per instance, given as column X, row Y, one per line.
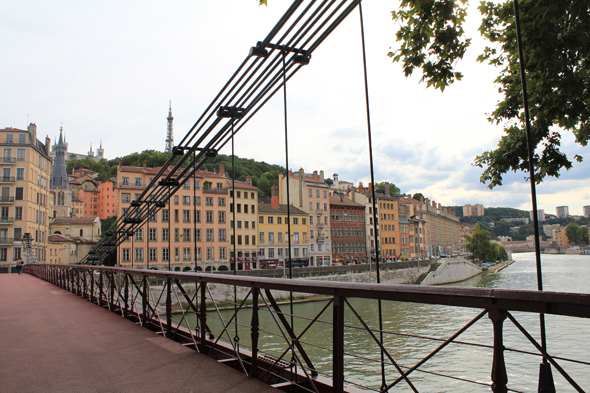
column 168, row 308
column 145, row 300
column 338, row 344
column 126, row 296
column 203, row 318
column 255, row 333
column 499, row 376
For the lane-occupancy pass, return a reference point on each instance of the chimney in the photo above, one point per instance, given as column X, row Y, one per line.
column 321, row 176
column 301, row 173
column 433, row 204
column 370, row 188
column 427, row 201
column 410, row 196
column 144, row 165
column 221, row 170
column 120, row 163
column 315, row 175
column 33, row 131
column 47, row 145
column 274, row 197
column 361, row 189
column 439, row 206
column 249, row 180
column 386, row 189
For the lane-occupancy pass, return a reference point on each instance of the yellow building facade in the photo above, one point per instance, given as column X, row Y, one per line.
column 25, row 200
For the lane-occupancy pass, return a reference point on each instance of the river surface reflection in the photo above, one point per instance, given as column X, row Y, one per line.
column 567, row 337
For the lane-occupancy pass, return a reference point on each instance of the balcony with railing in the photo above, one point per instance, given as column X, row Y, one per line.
column 6, row 240
column 7, row 179
column 7, row 160
column 6, row 220
column 6, row 199
column 213, row 190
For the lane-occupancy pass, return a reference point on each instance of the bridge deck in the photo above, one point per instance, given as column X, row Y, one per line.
column 53, row 341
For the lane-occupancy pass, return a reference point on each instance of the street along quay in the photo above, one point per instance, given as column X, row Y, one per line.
column 236, row 337
column 54, row 341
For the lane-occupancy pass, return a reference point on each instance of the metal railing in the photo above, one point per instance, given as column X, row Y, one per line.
column 183, row 307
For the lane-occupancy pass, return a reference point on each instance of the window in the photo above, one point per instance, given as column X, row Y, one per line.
column 138, row 182
column 270, row 220
column 176, row 215
column 165, row 234
column 239, row 224
column 310, row 220
column 271, row 237
column 198, row 234
column 18, row 213
column 325, row 206
column 153, row 235
column 186, row 254
column 209, row 235
column 238, row 208
column 186, row 200
column 176, row 199
column 280, row 237
column 271, row 252
column 197, row 185
column 295, row 220
column 186, row 216
column 260, row 220
column 139, row 254
column 310, row 192
column 165, row 215
column 325, row 194
column 125, row 255
column 209, row 219
column 210, row 253
column 296, row 237
column 311, row 234
column 197, row 216
column 22, row 138
column 296, row 252
column 186, row 235
column 246, row 222
column 20, row 154
column 222, row 253
column 253, row 224
column 208, row 201
column 310, row 206
column 153, row 254
column 198, row 255
column 279, row 220
column 317, row 193
column 19, row 193
column 20, row 173
column 186, row 186
column 261, row 240
column 221, row 216
column 197, row 201
column 245, row 206
column 222, row 235
column 239, row 240
column 139, row 234
column 125, row 197
column 165, row 254
column 220, row 201
column 220, row 186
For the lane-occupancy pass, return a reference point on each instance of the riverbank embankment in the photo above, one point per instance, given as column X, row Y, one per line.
column 452, row 270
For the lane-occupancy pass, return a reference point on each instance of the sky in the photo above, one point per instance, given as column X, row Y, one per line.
column 106, row 72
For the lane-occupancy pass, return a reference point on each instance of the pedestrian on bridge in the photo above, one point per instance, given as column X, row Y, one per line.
column 19, row 266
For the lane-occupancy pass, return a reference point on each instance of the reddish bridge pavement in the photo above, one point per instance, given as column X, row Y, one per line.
column 54, row 341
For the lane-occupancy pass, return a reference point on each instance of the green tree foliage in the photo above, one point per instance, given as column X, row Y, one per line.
column 418, row 196
column 329, row 181
column 482, row 248
column 393, row 190
column 556, row 37
column 432, row 39
column 576, row 234
column 106, row 224
column 497, row 213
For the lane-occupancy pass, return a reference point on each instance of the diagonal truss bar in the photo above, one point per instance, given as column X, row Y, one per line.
column 380, row 344
column 544, row 353
column 299, row 32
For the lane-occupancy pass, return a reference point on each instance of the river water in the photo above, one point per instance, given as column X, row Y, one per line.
column 567, row 337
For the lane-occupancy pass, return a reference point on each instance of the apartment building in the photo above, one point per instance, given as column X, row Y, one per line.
column 26, row 203
column 309, row 193
column 562, row 211
column 273, row 238
column 347, row 223
column 473, row 210
column 193, row 230
column 390, row 235
column 107, row 199
column 243, row 236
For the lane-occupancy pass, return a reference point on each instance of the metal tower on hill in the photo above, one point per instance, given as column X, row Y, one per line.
column 169, row 136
